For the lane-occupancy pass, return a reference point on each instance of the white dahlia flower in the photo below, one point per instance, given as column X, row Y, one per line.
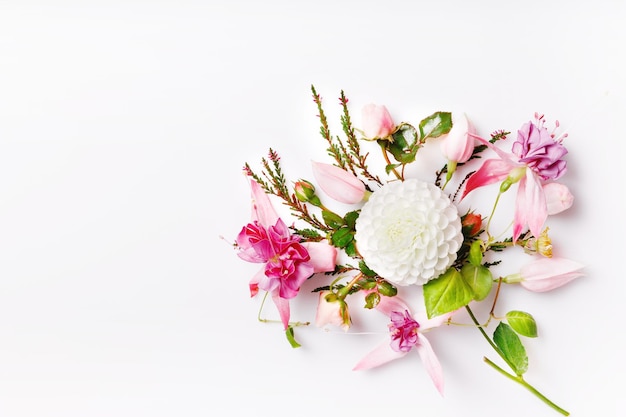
column 409, row 232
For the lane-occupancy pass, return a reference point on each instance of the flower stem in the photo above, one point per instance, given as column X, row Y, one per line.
column 386, row 156
column 291, row 323
column 519, row 379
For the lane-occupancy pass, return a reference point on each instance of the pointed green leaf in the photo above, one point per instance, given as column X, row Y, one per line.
column 522, row 322
column 479, row 278
column 342, row 237
column 447, row 293
column 511, row 346
column 435, row 125
column 331, row 219
column 350, row 218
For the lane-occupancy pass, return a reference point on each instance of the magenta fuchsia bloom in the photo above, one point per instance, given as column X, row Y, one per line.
column 287, row 262
column 536, row 157
column 338, row 183
column 377, row 122
column 405, row 337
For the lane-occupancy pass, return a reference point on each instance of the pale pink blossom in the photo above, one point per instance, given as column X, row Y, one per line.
column 458, row 144
column 558, row 197
column 377, row 122
column 286, row 262
column 546, row 274
column 338, row 183
column 406, row 334
column 334, row 312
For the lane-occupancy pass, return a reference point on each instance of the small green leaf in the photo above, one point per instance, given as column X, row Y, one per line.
column 291, row 338
column 331, row 219
column 479, row 278
column 342, row 237
column 447, row 293
column 522, row 322
column 511, row 346
column 351, row 249
column 386, row 289
column 435, row 125
column 391, row 167
column 371, row 300
column 350, row 218
column 365, row 270
column 476, row 253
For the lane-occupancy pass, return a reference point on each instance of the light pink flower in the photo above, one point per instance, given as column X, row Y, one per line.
column 287, row 262
column 458, row 144
column 333, row 312
column 406, row 333
column 377, row 122
column 558, row 197
column 546, row 274
column 338, row 183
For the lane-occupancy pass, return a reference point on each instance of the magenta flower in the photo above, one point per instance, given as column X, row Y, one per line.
column 338, row 183
column 405, row 336
column 287, row 262
column 377, row 122
column 536, row 158
column 546, row 274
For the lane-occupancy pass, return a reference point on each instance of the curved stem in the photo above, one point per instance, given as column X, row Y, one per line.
column 388, row 161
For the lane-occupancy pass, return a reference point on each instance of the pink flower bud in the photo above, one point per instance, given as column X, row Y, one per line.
column 338, row 183
column 558, row 197
column 458, row 144
column 332, row 310
column 377, row 122
column 547, row 274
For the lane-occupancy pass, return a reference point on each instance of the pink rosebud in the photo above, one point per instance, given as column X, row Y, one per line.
column 331, row 310
column 458, row 144
column 338, row 183
column 558, row 197
column 377, row 122
column 546, row 274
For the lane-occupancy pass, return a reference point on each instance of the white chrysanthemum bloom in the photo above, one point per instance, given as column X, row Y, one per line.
column 409, row 232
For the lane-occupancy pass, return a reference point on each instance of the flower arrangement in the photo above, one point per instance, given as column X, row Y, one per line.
column 398, row 232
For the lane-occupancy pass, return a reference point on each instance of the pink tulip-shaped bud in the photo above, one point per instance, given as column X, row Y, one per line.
column 377, row 122
column 458, row 144
column 332, row 310
column 338, row 183
column 558, row 197
column 546, row 274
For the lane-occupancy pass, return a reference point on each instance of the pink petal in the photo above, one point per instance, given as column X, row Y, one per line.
column 431, row 363
column 262, row 209
column 389, row 304
column 338, row 183
column 558, row 197
column 254, row 282
column 379, row 356
column 283, row 308
column 547, row 274
column 323, row 256
column 492, row 170
column 530, row 206
column 426, row 323
column 550, row 283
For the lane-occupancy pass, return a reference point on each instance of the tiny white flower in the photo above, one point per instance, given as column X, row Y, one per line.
column 409, row 232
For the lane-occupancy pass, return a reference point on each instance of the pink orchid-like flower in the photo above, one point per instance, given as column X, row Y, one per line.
column 406, row 333
column 338, row 183
column 377, row 122
column 458, row 145
column 558, row 197
column 333, row 311
column 287, row 262
column 536, row 157
column 546, row 274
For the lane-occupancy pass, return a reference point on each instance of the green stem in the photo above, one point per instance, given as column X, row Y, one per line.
column 520, row 380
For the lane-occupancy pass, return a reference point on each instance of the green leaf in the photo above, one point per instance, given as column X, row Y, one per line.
column 331, row 219
column 447, row 293
column 350, row 218
column 365, row 270
column 403, row 148
column 435, row 125
column 342, row 237
column 351, row 249
column 386, row 289
column 479, row 278
column 476, row 253
column 522, row 322
column 511, row 346
column 291, row 338
column 371, row 300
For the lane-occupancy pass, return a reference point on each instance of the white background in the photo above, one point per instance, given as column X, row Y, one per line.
column 123, row 130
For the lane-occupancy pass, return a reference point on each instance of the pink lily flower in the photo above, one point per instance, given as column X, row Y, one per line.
column 287, row 262
column 546, row 274
column 338, row 183
column 406, row 333
column 377, row 122
column 536, row 157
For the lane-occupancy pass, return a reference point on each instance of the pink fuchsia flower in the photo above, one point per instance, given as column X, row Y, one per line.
column 287, row 262
column 332, row 310
column 338, row 183
column 406, row 334
column 546, row 274
column 534, row 160
column 377, row 122
column 458, row 145
column 558, row 197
